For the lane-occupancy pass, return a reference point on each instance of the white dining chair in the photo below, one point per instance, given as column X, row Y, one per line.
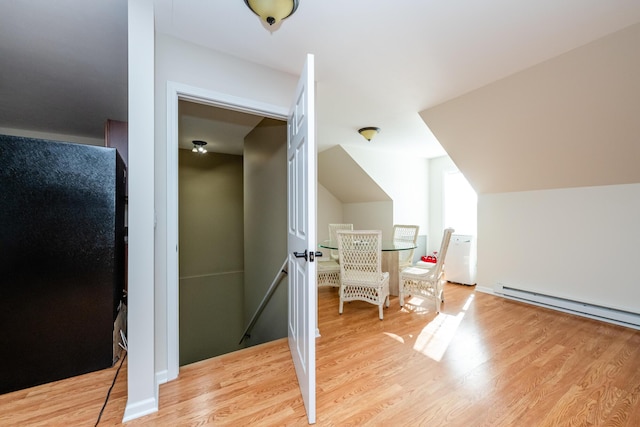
column 328, row 272
column 405, row 233
column 333, row 229
column 361, row 275
column 427, row 283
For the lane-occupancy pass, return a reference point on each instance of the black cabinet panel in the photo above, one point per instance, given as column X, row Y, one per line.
column 61, row 259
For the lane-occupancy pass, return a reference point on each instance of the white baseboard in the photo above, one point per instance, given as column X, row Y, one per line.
column 485, row 290
column 162, row 377
column 140, row 409
column 592, row 311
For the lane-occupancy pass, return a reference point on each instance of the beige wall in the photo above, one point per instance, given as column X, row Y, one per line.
column 329, row 210
column 265, row 225
column 370, row 216
column 211, row 241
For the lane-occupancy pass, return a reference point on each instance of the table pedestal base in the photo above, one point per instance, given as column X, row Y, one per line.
column 390, row 264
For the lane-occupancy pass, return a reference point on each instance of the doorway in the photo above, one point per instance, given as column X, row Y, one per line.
column 175, row 93
column 216, row 292
column 210, row 230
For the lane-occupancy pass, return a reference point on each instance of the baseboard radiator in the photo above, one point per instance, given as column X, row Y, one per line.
column 611, row 315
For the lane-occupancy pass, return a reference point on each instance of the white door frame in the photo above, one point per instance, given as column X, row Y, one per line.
column 176, row 92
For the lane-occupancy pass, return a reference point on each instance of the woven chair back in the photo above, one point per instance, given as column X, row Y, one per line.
column 406, row 233
column 360, row 255
column 333, row 229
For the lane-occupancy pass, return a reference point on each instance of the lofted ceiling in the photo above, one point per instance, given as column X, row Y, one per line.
column 378, row 62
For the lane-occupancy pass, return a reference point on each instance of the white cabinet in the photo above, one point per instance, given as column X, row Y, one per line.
column 460, row 264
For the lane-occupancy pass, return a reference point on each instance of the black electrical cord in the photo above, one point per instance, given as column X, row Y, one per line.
column 111, row 388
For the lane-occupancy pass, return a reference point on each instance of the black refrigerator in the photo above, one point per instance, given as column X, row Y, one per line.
column 62, row 249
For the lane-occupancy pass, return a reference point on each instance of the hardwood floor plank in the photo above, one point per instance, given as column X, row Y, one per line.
column 483, row 361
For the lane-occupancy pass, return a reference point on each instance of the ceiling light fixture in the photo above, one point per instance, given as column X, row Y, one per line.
column 198, row 147
column 369, row 132
column 272, row 11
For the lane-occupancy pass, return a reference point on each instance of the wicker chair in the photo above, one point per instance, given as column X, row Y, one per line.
column 361, row 276
column 408, row 233
column 328, row 274
column 333, row 229
column 424, row 282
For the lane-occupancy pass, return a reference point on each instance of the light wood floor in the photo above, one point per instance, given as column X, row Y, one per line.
column 484, row 361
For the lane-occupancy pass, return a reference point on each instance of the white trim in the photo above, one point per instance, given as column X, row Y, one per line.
column 173, row 357
column 485, row 290
column 140, row 409
column 176, row 92
column 162, row 377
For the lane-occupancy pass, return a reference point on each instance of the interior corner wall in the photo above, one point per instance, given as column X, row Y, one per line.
column 329, row 212
column 188, row 64
column 404, row 178
column 437, row 168
column 211, row 242
column 576, row 243
column 265, row 228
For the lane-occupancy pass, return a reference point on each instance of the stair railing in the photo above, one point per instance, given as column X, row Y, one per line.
column 265, row 300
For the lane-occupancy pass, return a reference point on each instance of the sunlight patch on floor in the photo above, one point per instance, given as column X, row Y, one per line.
column 415, row 305
column 434, row 339
column 395, row 337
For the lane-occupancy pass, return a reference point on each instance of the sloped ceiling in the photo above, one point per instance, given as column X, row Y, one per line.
column 345, row 179
column 571, row 121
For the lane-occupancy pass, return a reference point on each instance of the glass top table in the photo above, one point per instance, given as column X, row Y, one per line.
column 390, row 251
column 387, row 245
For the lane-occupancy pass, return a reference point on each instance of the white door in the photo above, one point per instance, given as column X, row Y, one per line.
column 301, row 236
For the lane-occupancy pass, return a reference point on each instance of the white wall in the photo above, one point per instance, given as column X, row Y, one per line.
column 403, row 177
column 142, row 392
column 188, row 64
column 577, row 243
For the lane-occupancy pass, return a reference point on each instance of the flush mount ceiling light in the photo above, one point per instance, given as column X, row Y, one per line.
column 272, row 11
column 369, row 132
column 198, row 147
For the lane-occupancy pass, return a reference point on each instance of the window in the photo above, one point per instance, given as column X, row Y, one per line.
column 460, row 204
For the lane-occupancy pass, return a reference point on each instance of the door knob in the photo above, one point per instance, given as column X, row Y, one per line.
column 301, row 255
